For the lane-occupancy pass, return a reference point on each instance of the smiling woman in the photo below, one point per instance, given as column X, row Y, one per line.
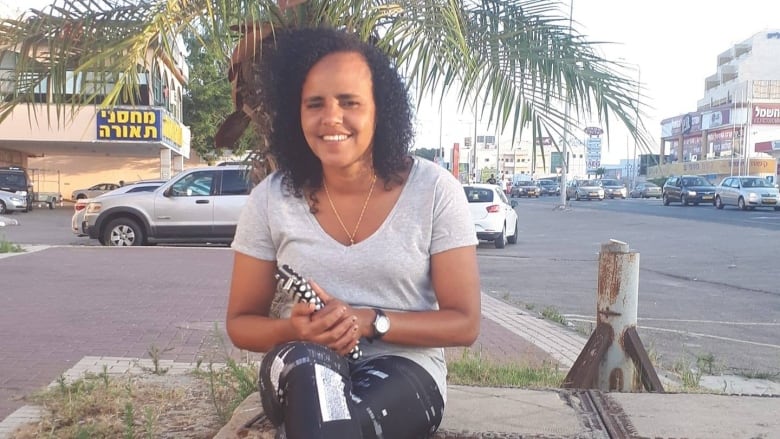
column 341, row 132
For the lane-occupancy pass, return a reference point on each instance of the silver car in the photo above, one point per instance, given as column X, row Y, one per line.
column 93, row 191
column 12, row 202
column 199, row 205
column 613, row 188
column 80, row 207
column 747, row 193
column 585, row 190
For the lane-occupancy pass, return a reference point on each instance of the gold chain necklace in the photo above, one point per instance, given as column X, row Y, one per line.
column 351, row 236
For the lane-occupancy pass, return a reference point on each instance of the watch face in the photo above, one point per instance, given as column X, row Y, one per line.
column 382, row 324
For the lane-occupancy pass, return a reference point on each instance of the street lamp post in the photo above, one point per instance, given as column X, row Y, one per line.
column 636, row 121
column 567, row 111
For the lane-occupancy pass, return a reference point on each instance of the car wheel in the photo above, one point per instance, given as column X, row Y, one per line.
column 2, row 208
column 501, row 240
column 684, row 199
column 718, row 203
column 513, row 239
column 123, row 232
column 666, row 200
column 741, row 203
column 577, row 196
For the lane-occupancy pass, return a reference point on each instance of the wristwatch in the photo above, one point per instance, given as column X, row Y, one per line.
column 381, row 325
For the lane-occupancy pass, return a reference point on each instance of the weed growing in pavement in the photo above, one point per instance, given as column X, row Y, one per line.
column 689, row 376
column 471, row 369
column 155, row 353
column 705, row 362
column 551, row 313
column 10, row 247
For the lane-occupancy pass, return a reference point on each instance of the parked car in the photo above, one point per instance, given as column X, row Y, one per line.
column 11, row 202
column 93, row 191
column 585, row 190
column 494, row 216
column 79, row 208
column 613, row 188
column 15, row 180
column 199, row 205
column 525, row 188
column 647, row 189
column 549, row 187
column 688, row 189
column 747, row 193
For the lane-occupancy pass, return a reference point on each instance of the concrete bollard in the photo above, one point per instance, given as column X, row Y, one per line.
column 616, row 308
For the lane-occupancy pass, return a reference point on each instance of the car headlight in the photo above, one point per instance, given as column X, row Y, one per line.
column 691, row 193
column 753, row 196
column 17, row 199
column 94, row 207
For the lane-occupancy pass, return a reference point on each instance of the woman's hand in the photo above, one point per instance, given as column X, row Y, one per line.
column 334, row 326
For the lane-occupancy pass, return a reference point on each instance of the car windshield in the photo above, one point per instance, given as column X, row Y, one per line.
column 650, row 185
column 696, row 181
column 591, row 183
column 525, row 183
column 610, row 183
column 755, row 182
column 546, row 182
column 478, row 195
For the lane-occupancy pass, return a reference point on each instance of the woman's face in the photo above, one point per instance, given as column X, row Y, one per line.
column 337, row 110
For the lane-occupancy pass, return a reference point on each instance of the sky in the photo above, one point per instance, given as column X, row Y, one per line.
column 674, row 44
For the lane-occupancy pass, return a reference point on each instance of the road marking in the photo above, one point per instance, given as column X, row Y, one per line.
column 693, row 334
column 580, row 317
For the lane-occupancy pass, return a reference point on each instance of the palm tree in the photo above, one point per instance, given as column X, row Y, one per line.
column 517, row 62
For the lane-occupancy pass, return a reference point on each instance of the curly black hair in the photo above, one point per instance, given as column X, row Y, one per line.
column 297, row 51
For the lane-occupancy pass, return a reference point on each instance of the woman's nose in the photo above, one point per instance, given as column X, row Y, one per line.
column 332, row 113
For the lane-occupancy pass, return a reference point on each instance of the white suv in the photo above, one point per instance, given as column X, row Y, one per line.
column 199, row 205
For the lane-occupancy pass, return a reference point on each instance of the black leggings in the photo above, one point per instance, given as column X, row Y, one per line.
column 317, row 393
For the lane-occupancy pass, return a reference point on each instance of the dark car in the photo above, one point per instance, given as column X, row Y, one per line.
column 525, row 188
column 688, row 189
column 549, row 187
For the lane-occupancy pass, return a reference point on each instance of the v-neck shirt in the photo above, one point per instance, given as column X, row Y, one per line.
column 390, row 269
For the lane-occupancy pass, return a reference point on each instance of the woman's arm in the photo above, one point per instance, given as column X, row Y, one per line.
column 249, row 326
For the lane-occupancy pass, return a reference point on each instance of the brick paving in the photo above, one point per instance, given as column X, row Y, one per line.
column 95, row 303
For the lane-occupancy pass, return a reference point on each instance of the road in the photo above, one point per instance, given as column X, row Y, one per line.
column 708, row 281
column 708, row 284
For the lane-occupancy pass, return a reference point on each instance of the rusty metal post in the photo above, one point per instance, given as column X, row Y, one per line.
column 616, row 308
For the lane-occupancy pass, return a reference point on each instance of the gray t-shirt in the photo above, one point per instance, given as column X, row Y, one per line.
column 390, row 269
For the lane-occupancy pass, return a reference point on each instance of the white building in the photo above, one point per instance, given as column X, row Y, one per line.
column 739, row 115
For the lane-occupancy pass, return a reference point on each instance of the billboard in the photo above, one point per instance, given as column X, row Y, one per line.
column 593, row 153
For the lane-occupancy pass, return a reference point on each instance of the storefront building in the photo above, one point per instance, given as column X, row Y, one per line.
column 737, row 123
column 81, row 146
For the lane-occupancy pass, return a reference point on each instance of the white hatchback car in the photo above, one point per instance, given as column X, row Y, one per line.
column 747, row 193
column 494, row 216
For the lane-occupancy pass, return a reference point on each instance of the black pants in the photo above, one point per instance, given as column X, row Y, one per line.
column 317, row 393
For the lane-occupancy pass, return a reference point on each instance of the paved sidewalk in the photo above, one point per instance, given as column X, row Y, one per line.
column 73, row 332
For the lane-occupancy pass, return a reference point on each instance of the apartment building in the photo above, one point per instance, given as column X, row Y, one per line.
column 736, row 126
